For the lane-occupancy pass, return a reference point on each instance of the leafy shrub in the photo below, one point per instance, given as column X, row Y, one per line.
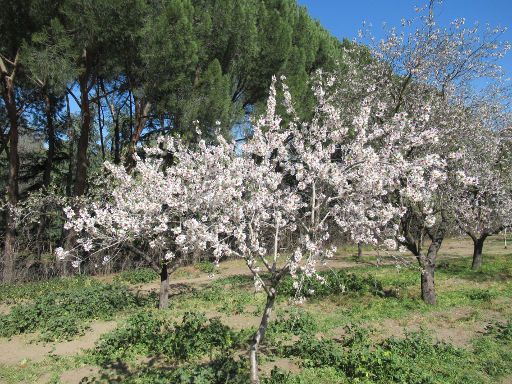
column 147, row 333
column 196, row 336
column 224, row 370
column 212, row 293
column 235, row 303
column 501, row 331
column 481, row 294
column 293, row 321
column 334, row 282
column 494, row 355
column 23, row 292
column 137, row 276
column 206, row 267
column 59, row 315
column 325, row 375
column 413, row 359
column 289, row 323
column 317, row 353
column 139, row 332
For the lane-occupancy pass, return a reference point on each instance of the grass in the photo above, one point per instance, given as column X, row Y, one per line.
column 31, row 372
column 367, row 325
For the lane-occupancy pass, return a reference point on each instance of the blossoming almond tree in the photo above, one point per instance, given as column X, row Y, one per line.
column 294, row 180
column 305, row 180
column 481, row 194
column 422, row 68
column 168, row 203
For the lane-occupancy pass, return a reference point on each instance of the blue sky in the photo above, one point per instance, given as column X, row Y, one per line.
column 345, row 18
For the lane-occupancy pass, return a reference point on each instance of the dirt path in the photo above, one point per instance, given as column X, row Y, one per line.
column 22, row 348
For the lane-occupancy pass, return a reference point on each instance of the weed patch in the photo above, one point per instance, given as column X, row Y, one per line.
column 149, row 333
column 413, row 359
column 333, row 282
column 61, row 315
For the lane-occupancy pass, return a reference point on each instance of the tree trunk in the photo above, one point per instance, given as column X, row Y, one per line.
column 48, row 166
column 131, row 112
column 478, row 245
column 164, row 287
column 100, row 123
column 428, row 264
column 142, row 109
column 69, row 178
column 258, row 337
column 50, row 131
column 83, row 140
column 117, row 147
column 428, row 292
column 82, row 162
column 12, row 184
column 359, row 251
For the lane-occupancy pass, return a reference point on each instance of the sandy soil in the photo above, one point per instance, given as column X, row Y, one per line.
column 75, row 375
column 22, row 348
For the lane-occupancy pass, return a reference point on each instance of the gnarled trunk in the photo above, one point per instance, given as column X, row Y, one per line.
column 428, row 291
column 428, row 264
column 258, row 337
column 478, row 245
column 142, row 109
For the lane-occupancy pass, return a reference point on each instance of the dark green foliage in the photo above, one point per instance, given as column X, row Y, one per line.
column 134, row 69
column 212, row 293
column 220, row 371
column 481, row 294
column 357, row 358
column 150, row 333
column 197, row 336
column 206, row 267
column 335, row 282
column 60, row 315
column 20, row 292
column 501, row 331
column 293, row 321
column 134, row 337
column 493, row 349
column 224, row 370
column 137, row 276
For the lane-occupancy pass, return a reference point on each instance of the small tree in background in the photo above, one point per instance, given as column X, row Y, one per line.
column 424, row 70
column 481, row 194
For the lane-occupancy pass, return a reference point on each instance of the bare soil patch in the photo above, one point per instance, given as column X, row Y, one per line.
column 5, row 309
column 86, row 341
column 75, row 375
column 457, row 326
column 22, row 348
column 286, row 365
